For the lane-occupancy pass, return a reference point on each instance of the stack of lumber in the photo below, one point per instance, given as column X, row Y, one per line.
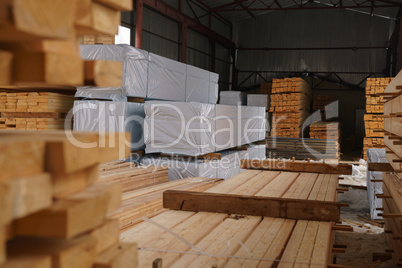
column 373, row 120
column 325, row 130
column 148, row 201
column 392, row 186
column 52, row 214
column 34, row 111
column 320, row 101
column 43, row 51
column 302, row 149
column 98, row 40
column 131, row 177
column 228, row 226
column 290, row 106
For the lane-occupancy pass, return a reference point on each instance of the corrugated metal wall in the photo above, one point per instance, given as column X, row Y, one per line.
column 312, row 28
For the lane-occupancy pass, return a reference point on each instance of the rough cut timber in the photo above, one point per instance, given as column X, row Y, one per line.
column 2, row 244
column 99, row 39
column 341, row 169
column 77, row 252
column 325, row 130
column 252, row 205
column 74, row 215
column 106, row 235
column 103, row 73
column 28, row 261
column 268, row 240
column 6, row 67
column 23, row 20
column 48, row 68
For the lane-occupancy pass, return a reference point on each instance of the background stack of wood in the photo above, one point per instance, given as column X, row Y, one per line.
column 98, row 40
column 33, row 110
column 373, row 121
column 321, row 101
column 290, row 106
column 43, row 52
column 325, row 130
column 52, row 214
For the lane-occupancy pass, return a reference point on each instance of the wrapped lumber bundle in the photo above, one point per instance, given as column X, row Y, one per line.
column 373, row 119
column 43, row 51
column 290, row 106
column 63, row 220
column 325, row 130
column 33, row 110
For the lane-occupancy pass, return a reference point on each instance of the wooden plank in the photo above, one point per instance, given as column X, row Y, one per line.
column 33, row 19
column 100, row 20
column 342, row 169
column 252, row 205
column 54, row 115
column 103, row 73
column 77, row 252
column 3, row 240
column 15, row 152
column 122, row 5
column 119, row 256
column 45, row 68
column 384, row 167
column 74, row 215
column 6, row 60
column 106, row 235
column 28, row 261
column 28, row 195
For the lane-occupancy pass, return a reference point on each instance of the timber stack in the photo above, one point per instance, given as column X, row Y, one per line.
column 43, row 54
column 63, row 219
column 392, row 186
column 325, row 130
column 373, row 119
column 290, row 106
column 322, row 103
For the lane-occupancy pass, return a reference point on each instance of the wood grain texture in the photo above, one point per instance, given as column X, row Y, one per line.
column 103, row 73
column 119, row 256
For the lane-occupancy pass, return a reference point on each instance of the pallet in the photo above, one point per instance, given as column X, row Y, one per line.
column 270, row 241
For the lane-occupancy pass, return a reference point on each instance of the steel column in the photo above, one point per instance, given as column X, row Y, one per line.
column 139, row 13
column 183, row 57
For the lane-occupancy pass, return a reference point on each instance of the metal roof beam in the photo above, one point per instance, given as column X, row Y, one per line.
column 215, row 12
column 310, row 8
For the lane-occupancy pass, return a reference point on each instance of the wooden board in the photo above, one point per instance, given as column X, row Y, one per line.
column 100, row 20
column 106, row 235
column 6, row 61
column 119, row 256
column 72, row 216
column 77, row 252
column 342, row 169
column 122, row 5
column 384, row 167
column 103, row 73
column 21, row 260
column 26, row 195
column 45, row 68
column 3, row 241
column 252, row 205
column 33, row 19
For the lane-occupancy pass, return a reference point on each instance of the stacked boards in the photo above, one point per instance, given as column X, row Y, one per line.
column 98, row 40
column 392, row 187
column 320, row 102
column 290, row 106
column 43, row 51
column 373, row 120
column 33, row 110
column 325, row 130
column 52, row 214
column 268, row 241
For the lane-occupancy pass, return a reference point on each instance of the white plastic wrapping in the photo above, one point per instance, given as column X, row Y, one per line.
column 233, row 98
column 229, row 165
column 135, row 70
column 197, row 85
column 181, row 169
column 260, row 100
column 179, row 128
column 166, row 79
column 255, row 152
column 213, row 87
column 374, row 188
column 226, row 127
column 108, row 116
column 251, row 124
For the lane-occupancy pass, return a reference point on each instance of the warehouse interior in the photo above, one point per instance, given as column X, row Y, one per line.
column 200, row 133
